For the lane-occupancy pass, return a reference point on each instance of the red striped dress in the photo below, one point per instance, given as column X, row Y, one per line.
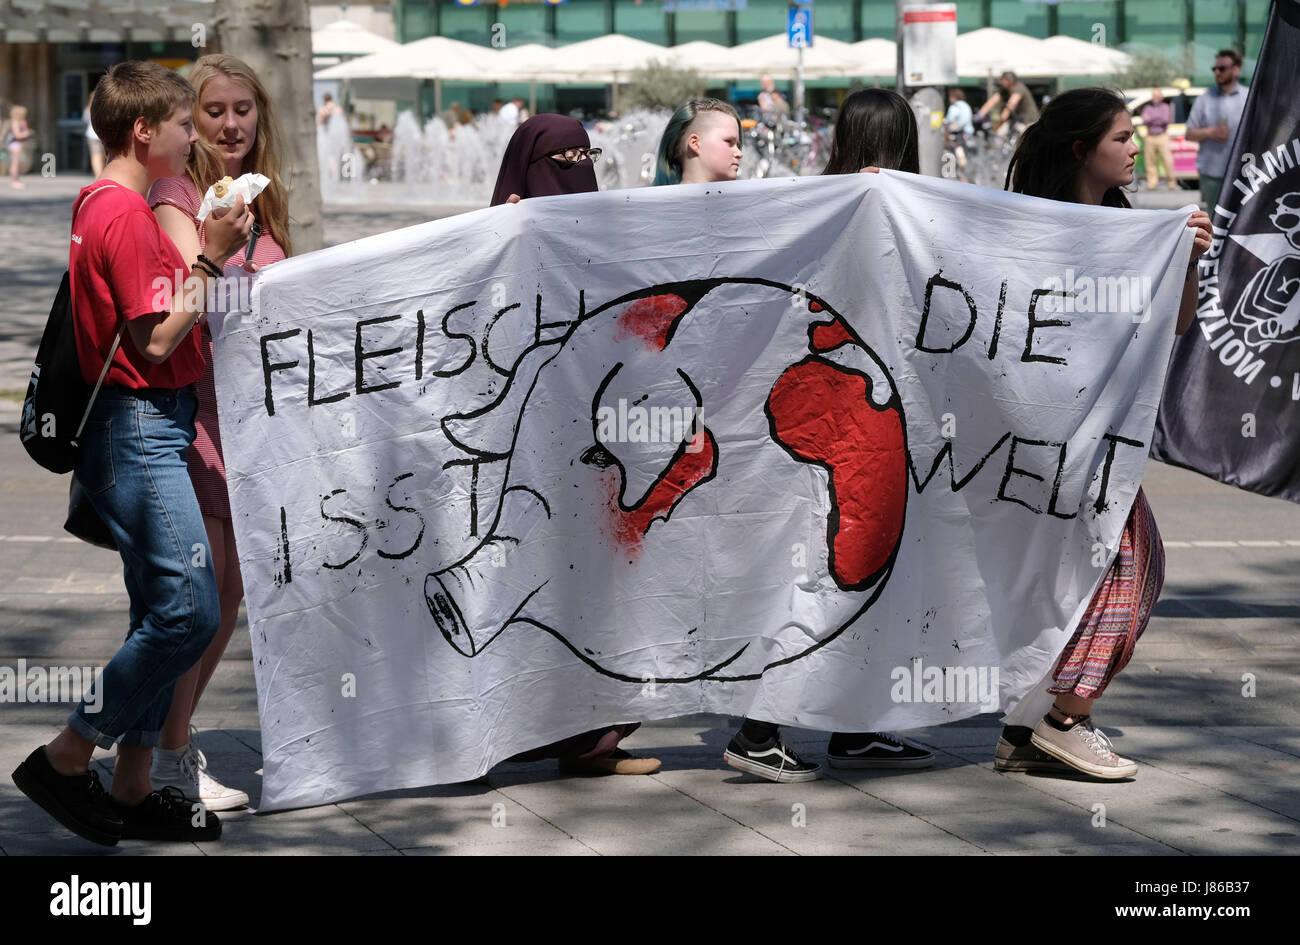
column 1103, row 642
column 207, row 468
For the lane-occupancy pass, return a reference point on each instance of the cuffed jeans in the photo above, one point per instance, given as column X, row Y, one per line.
column 132, row 466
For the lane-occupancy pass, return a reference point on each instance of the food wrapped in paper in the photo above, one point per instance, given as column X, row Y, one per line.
column 224, row 192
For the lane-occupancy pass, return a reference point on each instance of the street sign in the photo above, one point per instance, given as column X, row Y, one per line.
column 930, row 44
column 799, row 28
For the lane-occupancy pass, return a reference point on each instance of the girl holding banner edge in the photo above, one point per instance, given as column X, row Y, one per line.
column 549, row 155
column 875, row 129
column 238, row 134
column 1082, row 150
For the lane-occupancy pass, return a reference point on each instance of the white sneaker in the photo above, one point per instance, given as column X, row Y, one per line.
column 187, row 769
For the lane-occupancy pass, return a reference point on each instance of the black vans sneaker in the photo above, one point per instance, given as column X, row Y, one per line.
column 769, row 759
column 78, row 801
column 168, row 815
column 875, row 750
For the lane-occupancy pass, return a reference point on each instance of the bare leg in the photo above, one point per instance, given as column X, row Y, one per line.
column 1069, row 707
column 131, row 774
column 69, row 753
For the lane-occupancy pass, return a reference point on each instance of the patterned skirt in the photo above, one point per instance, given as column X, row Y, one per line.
column 207, row 466
column 1119, row 612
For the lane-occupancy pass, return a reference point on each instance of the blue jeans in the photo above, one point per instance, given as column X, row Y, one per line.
column 132, row 465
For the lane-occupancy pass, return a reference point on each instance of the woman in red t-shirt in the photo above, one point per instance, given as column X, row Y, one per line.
column 238, row 134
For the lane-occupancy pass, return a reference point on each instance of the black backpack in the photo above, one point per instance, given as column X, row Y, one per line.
column 58, row 401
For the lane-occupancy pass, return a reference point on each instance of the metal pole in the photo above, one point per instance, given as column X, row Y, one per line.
column 899, row 6
column 798, row 87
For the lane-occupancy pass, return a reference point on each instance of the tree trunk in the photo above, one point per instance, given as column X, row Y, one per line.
column 274, row 37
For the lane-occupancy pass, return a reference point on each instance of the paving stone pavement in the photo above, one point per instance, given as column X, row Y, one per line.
column 1220, row 770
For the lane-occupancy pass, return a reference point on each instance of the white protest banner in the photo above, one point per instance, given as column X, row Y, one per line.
column 842, row 452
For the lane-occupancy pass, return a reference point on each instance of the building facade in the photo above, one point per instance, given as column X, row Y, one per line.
column 1191, row 30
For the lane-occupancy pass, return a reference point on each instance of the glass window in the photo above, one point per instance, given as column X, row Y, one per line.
column 1158, row 23
column 1020, row 17
column 970, row 15
column 641, row 21
column 763, row 18
column 577, row 20
column 468, row 24
column 1215, row 28
column 878, row 19
column 1081, row 21
column 833, row 19
column 1256, row 19
column 416, row 22
column 523, row 22
column 709, row 25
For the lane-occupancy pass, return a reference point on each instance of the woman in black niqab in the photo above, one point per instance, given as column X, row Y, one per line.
column 528, row 171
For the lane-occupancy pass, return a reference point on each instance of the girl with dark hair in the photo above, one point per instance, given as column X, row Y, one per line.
column 875, row 128
column 550, row 155
column 1082, row 150
column 700, row 145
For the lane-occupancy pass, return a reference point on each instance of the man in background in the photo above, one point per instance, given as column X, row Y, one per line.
column 1213, row 124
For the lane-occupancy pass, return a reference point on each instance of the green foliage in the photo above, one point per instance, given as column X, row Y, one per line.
column 1149, row 67
column 660, row 85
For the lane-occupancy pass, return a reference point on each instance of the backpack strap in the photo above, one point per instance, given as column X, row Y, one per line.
column 117, row 340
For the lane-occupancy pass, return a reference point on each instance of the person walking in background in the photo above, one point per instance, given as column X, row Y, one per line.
column 771, row 102
column 131, row 459
column 238, row 134
column 1082, row 151
column 16, row 133
column 550, row 155
column 94, row 147
column 1156, row 116
column 1013, row 106
column 1213, row 123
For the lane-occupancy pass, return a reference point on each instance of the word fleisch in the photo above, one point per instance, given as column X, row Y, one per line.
column 75, row 898
column 373, row 351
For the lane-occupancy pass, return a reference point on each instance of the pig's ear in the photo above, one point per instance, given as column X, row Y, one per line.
column 489, row 432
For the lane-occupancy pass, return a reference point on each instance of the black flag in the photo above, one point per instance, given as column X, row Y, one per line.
column 1231, row 407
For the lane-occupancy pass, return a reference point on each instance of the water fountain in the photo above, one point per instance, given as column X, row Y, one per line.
column 438, row 165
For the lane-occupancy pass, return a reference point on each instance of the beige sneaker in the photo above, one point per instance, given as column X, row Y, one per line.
column 1085, row 748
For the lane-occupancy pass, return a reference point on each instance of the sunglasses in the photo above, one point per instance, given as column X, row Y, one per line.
column 1222, row 68
column 572, row 156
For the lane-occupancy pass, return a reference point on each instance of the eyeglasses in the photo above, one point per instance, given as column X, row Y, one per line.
column 1222, row 68
column 572, row 156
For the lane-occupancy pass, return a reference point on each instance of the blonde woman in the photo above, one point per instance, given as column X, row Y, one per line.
column 16, row 134
column 238, row 134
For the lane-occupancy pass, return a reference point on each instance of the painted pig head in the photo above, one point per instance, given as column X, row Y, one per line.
column 718, row 467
